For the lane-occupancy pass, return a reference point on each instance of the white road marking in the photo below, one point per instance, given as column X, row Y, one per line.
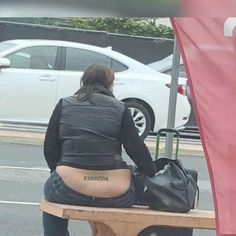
column 204, row 185
column 24, row 168
column 20, row 203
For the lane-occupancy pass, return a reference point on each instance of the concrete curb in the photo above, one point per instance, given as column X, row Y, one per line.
column 33, row 138
column 184, row 149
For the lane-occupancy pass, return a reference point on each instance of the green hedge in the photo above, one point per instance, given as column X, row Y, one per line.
column 121, row 25
column 131, row 26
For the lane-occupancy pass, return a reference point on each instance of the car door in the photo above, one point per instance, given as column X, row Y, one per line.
column 28, row 87
column 75, row 63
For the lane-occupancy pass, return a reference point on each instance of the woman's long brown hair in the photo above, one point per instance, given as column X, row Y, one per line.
column 95, row 75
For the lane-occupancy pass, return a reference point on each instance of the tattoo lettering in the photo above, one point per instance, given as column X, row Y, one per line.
column 96, row 178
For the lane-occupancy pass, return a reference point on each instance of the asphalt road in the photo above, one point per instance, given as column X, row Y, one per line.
column 23, row 172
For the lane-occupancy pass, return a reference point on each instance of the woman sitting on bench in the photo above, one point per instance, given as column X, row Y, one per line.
column 83, row 150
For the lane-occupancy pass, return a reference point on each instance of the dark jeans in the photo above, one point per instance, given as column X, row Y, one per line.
column 55, row 190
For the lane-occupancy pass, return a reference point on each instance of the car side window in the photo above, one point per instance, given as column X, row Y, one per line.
column 40, row 57
column 80, row 59
column 117, row 66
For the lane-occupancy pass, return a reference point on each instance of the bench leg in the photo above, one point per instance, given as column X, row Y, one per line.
column 110, row 228
column 135, row 228
column 100, row 229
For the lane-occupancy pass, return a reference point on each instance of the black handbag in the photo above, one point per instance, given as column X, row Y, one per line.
column 172, row 189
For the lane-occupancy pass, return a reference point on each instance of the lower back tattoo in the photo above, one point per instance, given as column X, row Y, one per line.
column 96, row 178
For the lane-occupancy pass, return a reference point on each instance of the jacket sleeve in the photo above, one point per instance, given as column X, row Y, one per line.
column 52, row 144
column 135, row 146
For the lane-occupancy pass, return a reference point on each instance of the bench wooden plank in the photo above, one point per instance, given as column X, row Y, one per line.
column 139, row 215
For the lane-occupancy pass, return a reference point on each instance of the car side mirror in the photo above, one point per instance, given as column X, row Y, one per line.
column 4, row 63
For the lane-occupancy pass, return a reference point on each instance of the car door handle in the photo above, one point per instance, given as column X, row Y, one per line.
column 46, row 78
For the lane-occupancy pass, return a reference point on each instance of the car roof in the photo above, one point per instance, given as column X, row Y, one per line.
column 51, row 42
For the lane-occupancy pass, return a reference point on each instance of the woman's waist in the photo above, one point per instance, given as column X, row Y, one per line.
column 78, row 172
column 95, row 163
column 99, row 183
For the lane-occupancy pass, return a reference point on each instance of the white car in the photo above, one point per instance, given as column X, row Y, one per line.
column 35, row 74
column 165, row 66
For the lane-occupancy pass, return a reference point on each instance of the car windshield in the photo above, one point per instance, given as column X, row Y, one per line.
column 6, row 45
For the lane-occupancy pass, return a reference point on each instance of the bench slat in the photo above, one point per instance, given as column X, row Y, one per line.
column 193, row 219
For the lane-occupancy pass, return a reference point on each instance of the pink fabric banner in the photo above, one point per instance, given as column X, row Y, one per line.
column 206, row 8
column 208, row 47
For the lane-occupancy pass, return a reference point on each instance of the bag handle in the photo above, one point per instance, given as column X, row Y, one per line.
column 167, row 130
column 182, row 174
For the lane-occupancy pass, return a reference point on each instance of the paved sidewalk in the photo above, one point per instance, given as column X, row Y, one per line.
column 34, row 138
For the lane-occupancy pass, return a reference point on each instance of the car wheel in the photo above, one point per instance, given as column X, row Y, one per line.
column 141, row 117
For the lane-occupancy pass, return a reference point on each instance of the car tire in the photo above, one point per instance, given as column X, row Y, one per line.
column 141, row 118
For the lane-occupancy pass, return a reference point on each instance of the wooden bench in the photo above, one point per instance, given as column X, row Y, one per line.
column 129, row 221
